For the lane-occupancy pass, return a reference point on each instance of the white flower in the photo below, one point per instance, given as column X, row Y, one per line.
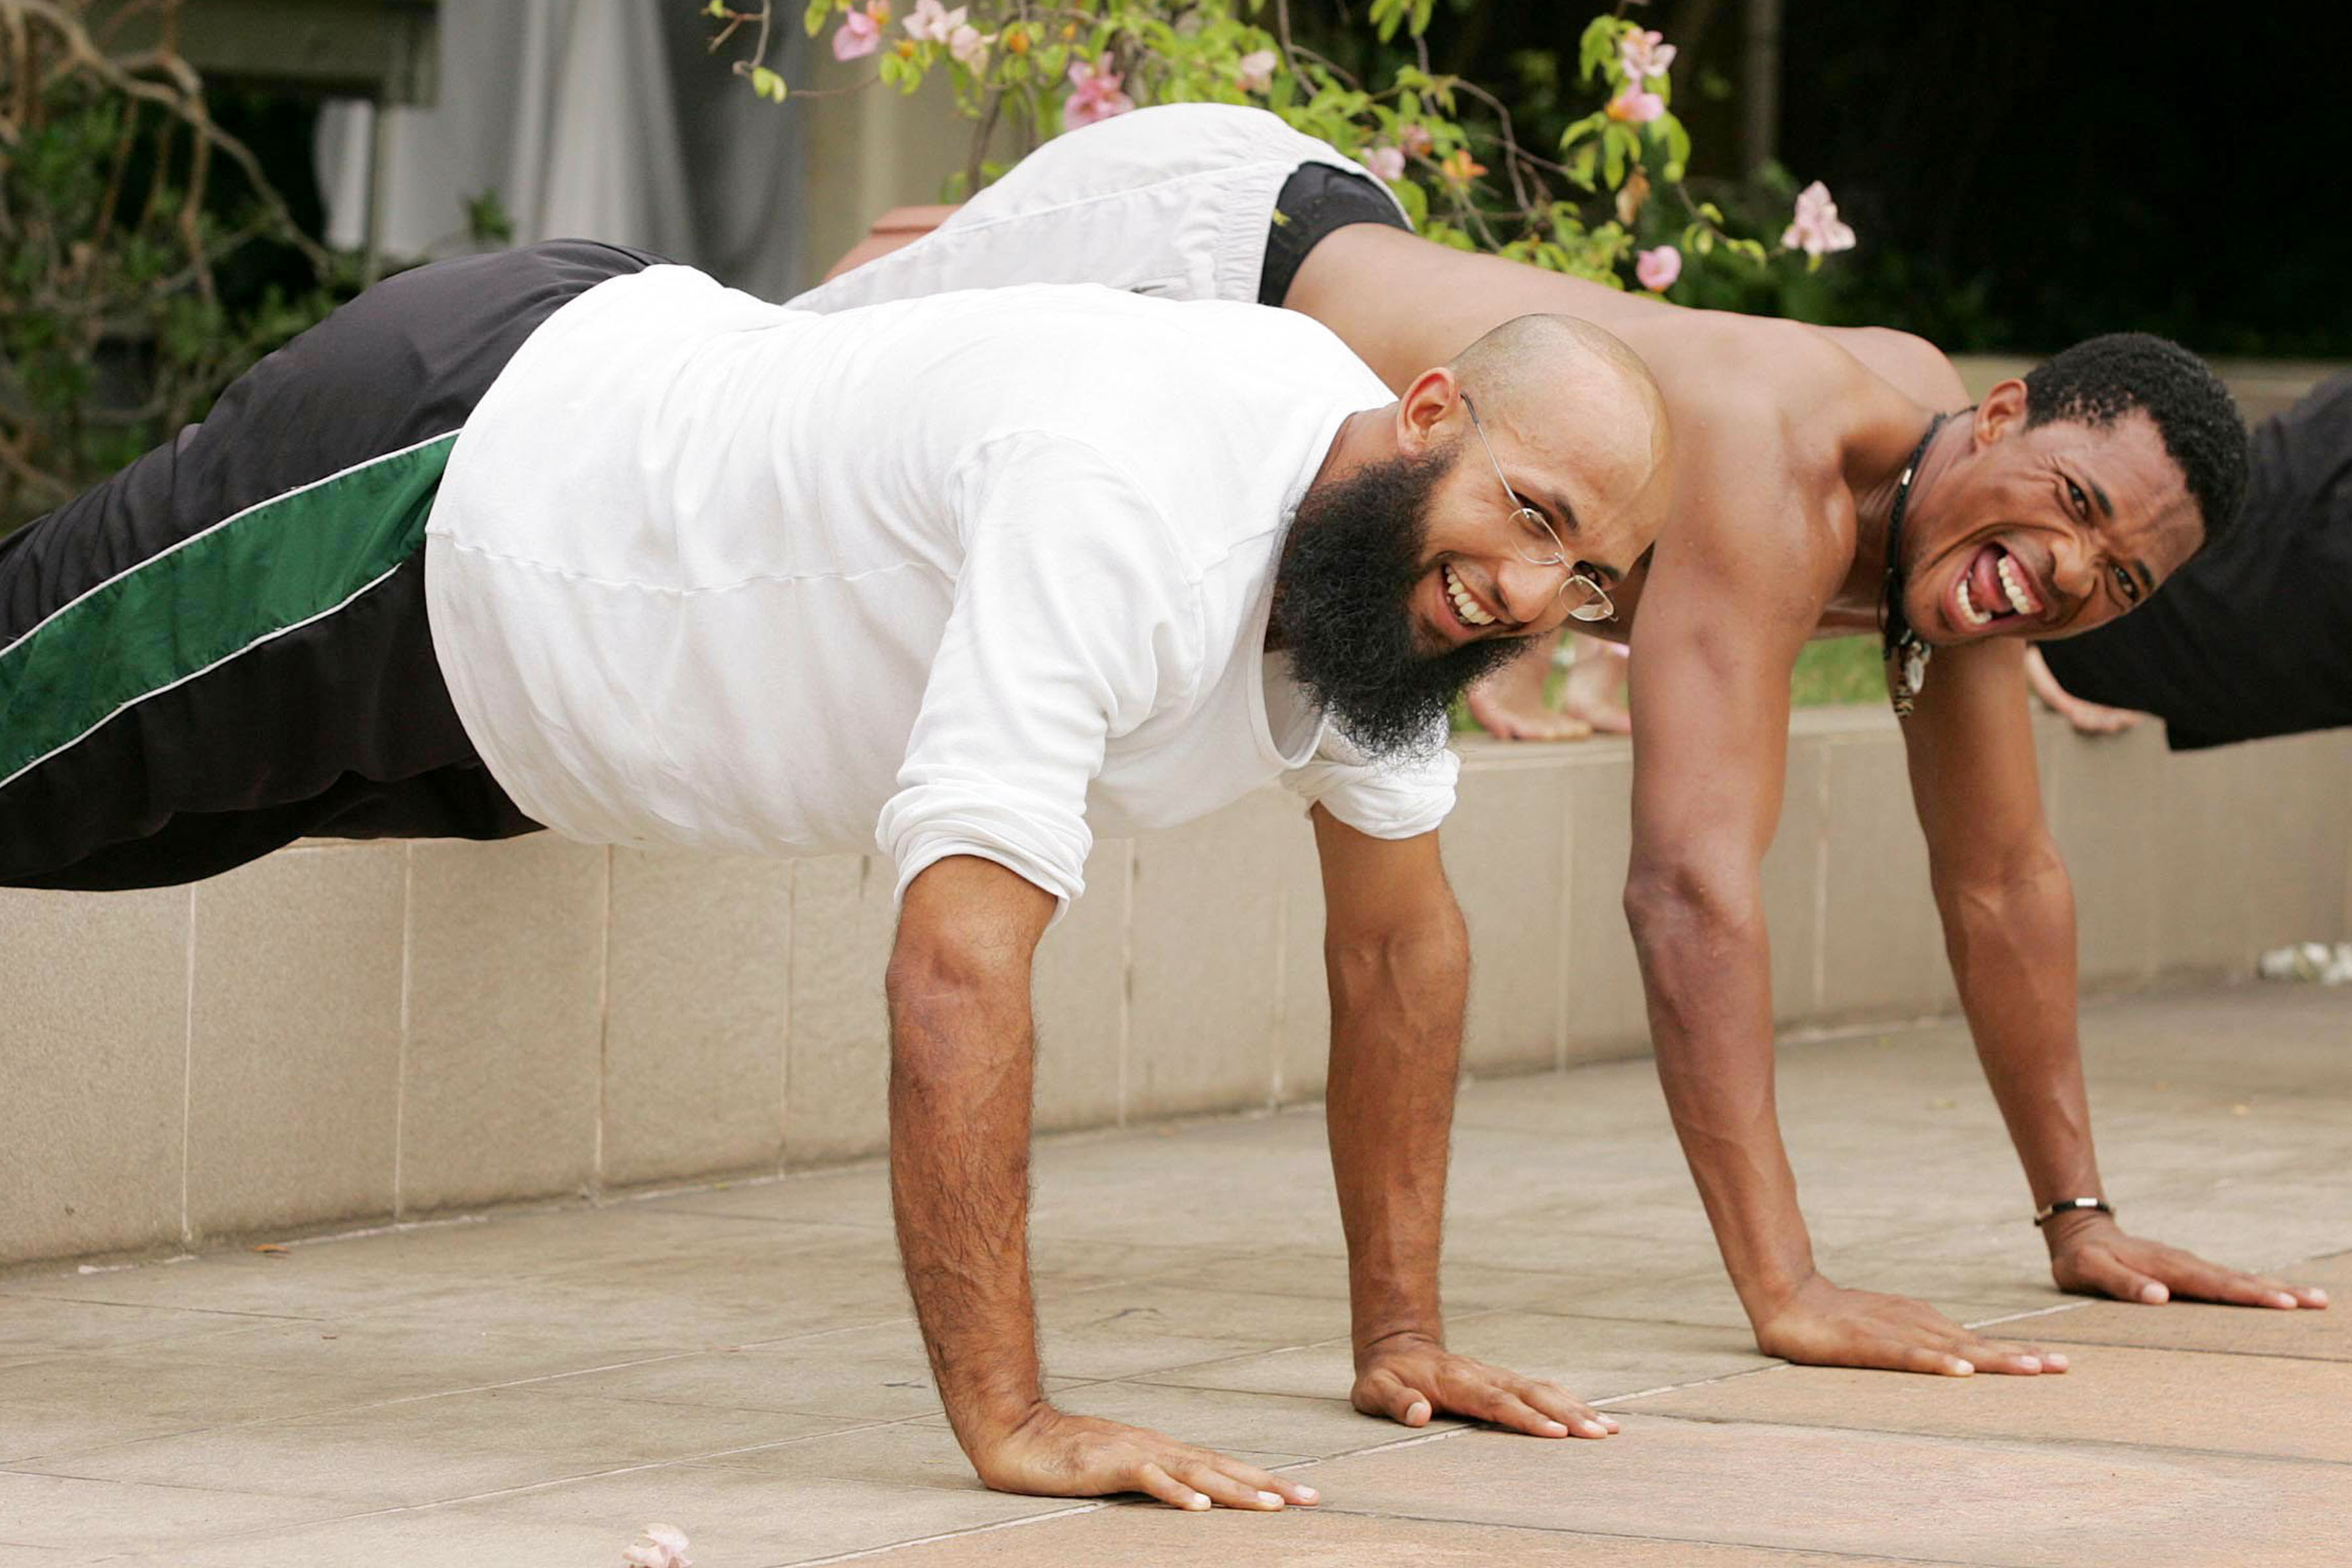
column 661, row 1546
column 969, row 44
column 1644, row 55
column 1816, row 230
column 932, row 23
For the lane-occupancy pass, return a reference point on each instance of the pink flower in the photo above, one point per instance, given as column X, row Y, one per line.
column 1258, row 70
column 1387, row 162
column 933, row 23
column 1643, row 56
column 1816, row 230
column 661, row 1546
column 969, row 44
column 1094, row 95
column 1416, row 140
column 858, row 35
column 1657, row 269
column 1635, row 107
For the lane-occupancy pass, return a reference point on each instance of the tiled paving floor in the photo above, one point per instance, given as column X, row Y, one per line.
column 532, row 1388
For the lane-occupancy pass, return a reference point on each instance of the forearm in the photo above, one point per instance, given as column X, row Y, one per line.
column 1396, row 1042
column 960, row 1073
column 2012, row 943
column 1706, row 970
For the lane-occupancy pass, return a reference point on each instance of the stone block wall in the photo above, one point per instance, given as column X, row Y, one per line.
column 348, row 1034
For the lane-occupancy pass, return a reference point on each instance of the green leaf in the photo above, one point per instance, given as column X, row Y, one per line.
column 1669, row 129
column 1590, row 125
column 818, row 11
column 716, row 10
column 769, row 85
column 1598, row 47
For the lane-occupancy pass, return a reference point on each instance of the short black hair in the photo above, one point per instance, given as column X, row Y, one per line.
column 2101, row 379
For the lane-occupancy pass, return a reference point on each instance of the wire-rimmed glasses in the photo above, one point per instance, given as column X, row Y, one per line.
column 1592, row 600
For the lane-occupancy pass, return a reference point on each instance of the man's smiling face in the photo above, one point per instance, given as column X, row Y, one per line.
column 2047, row 531
column 1525, row 503
column 1443, row 540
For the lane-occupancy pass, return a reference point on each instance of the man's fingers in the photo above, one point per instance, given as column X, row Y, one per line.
column 1929, row 1359
column 2017, row 1361
column 2208, row 1282
column 1504, row 1408
column 1263, row 1481
column 2104, row 1272
column 1209, row 1478
column 1381, row 1393
column 1567, row 1409
column 2311, row 1296
column 1150, row 1478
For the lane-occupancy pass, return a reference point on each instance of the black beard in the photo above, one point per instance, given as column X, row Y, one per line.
column 1341, row 608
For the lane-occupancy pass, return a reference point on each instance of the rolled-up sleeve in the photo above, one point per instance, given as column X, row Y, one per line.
column 1386, row 797
column 1075, row 619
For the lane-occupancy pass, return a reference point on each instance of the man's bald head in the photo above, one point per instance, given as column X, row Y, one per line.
column 1564, row 391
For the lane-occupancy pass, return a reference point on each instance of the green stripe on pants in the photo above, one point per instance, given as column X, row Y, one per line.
column 253, row 576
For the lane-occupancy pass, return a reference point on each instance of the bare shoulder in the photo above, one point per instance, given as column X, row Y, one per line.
column 1910, row 363
column 1762, row 412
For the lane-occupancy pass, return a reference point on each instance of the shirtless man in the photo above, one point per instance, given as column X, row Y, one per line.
column 2055, row 505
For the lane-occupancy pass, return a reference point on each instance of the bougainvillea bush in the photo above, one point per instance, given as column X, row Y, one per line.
column 1445, row 145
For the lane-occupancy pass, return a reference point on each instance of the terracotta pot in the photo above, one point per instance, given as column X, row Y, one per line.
column 899, row 226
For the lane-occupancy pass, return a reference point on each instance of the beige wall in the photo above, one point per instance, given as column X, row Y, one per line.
column 345, row 1034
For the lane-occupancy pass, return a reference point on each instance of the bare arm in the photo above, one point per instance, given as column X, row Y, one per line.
column 1719, row 629
column 1730, row 599
column 960, row 1063
column 2008, row 926
column 1398, row 962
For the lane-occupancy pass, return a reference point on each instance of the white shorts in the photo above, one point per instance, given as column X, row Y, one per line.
column 1174, row 201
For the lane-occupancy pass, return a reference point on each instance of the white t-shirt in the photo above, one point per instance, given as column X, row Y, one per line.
column 972, row 574
column 1175, row 201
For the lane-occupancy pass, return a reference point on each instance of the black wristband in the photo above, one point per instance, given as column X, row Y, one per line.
column 2068, row 1205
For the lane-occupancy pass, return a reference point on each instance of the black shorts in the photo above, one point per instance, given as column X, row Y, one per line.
column 1317, row 199
column 224, row 647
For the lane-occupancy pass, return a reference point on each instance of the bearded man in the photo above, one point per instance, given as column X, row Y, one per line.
column 566, row 538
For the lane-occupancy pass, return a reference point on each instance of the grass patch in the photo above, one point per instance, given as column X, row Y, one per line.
column 1838, row 673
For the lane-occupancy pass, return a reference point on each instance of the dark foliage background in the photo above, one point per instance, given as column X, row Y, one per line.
column 2021, row 174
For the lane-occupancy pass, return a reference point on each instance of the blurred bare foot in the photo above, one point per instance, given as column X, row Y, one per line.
column 1509, row 704
column 1591, row 689
column 2087, row 718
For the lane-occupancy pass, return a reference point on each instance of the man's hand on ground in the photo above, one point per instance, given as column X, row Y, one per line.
column 2091, row 1255
column 1051, row 1453
column 1820, row 1324
column 1412, row 1380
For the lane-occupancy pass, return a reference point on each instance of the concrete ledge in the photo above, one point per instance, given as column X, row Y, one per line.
column 342, row 1033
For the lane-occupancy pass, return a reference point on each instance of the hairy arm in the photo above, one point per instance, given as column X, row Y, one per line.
column 961, row 1058
column 1397, row 958
column 2008, row 927
column 960, row 1063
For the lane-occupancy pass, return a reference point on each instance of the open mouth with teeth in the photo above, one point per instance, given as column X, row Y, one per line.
column 1993, row 588
column 1472, row 615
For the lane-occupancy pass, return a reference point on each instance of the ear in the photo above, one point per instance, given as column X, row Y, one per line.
column 1426, row 403
column 2001, row 413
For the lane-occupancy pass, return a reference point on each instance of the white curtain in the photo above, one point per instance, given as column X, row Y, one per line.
column 600, row 119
